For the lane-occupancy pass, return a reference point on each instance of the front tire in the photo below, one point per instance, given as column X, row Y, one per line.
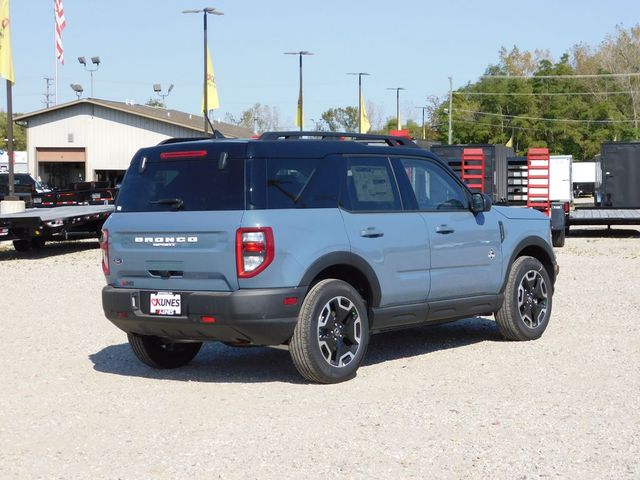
column 332, row 333
column 526, row 308
column 162, row 353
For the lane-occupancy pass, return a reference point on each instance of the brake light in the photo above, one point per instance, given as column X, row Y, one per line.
column 186, row 154
column 255, row 250
column 104, row 246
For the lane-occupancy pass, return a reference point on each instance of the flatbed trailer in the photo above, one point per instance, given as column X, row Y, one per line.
column 604, row 216
column 35, row 226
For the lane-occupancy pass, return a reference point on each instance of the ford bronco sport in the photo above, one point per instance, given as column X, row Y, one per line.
column 314, row 240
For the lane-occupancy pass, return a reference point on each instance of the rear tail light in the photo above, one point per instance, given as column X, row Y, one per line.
column 104, row 246
column 254, row 250
column 566, row 207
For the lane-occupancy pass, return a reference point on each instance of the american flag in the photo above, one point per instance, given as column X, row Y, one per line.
column 60, row 24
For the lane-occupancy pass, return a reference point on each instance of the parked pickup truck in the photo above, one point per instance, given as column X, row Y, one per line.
column 315, row 240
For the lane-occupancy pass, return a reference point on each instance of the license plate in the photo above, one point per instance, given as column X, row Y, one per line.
column 165, row 303
column 95, row 196
column 37, row 200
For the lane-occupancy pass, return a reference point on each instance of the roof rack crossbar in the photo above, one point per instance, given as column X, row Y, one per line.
column 390, row 140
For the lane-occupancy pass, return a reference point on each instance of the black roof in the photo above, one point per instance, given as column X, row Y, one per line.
column 312, row 145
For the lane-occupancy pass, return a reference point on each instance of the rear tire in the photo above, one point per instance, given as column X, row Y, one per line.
column 37, row 243
column 332, row 333
column 526, row 307
column 557, row 237
column 162, row 353
column 22, row 245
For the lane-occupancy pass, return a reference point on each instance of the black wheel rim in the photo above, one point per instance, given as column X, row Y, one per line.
column 533, row 299
column 339, row 332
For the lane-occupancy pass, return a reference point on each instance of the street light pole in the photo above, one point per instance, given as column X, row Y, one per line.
column 205, row 12
column 397, row 89
column 450, row 109
column 300, row 97
column 359, row 74
column 96, row 62
column 424, row 136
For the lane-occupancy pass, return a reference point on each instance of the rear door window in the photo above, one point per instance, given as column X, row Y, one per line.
column 285, row 183
column 370, row 185
column 184, row 184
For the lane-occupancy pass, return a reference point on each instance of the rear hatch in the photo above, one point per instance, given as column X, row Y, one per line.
column 176, row 217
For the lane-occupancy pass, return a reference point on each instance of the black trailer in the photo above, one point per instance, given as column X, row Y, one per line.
column 620, row 163
column 35, row 226
column 494, row 170
column 618, row 197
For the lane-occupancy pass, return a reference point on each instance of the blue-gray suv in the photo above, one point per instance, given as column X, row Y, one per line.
column 313, row 240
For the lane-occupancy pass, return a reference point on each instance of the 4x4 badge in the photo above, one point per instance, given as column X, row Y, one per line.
column 492, row 254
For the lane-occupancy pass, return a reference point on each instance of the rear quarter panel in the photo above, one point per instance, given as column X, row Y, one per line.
column 301, row 236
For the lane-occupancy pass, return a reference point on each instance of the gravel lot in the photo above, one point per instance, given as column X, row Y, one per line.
column 452, row 401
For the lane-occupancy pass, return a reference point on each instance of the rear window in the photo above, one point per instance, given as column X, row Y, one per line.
column 182, row 184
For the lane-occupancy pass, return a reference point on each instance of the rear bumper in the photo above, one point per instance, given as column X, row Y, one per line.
column 256, row 316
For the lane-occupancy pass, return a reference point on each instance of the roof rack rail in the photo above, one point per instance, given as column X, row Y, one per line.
column 390, row 140
column 215, row 135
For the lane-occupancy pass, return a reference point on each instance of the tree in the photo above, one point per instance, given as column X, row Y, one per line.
column 259, row 118
column 19, row 133
column 155, row 102
column 341, row 119
column 567, row 115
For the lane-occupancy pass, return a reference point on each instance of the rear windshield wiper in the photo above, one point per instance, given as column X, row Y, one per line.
column 175, row 202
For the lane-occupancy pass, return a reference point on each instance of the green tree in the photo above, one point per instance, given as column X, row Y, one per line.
column 19, row 133
column 341, row 119
column 155, row 102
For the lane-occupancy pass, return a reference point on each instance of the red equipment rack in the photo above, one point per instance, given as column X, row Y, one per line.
column 473, row 168
column 538, row 171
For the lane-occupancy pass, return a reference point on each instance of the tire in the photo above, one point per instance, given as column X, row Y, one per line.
column 331, row 336
column 526, row 308
column 22, row 245
column 37, row 243
column 161, row 353
column 557, row 237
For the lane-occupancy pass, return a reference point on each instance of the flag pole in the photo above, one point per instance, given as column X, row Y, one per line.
column 55, row 49
column 10, row 141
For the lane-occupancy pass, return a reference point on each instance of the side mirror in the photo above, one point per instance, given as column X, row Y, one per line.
column 480, row 202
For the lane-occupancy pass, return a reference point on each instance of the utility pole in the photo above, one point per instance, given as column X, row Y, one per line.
column 359, row 74
column 47, row 96
column 397, row 89
column 424, row 133
column 450, row 109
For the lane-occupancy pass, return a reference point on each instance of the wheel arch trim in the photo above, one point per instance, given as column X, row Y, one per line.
column 538, row 243
column 344, row 258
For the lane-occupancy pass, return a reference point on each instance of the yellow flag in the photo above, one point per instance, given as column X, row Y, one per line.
column 365, row 126
column 299, row 114
column 6, row 58
column 212, row 88
column 510, row 142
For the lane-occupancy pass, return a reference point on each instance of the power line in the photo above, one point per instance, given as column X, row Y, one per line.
column 495, row 125
column 546, row 77
column 570, row 120
column 540, row 94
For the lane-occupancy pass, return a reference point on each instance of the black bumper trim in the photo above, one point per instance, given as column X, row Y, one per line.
column 255, row 316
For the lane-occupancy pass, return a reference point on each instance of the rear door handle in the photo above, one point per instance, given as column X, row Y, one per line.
column 371, row 232
column 444, row 229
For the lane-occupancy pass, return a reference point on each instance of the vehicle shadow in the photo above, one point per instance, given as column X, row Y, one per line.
column 604, row 232
column 51, row 249
column 219, row 363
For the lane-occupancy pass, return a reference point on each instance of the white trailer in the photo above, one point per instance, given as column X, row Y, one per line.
column 560, row 179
